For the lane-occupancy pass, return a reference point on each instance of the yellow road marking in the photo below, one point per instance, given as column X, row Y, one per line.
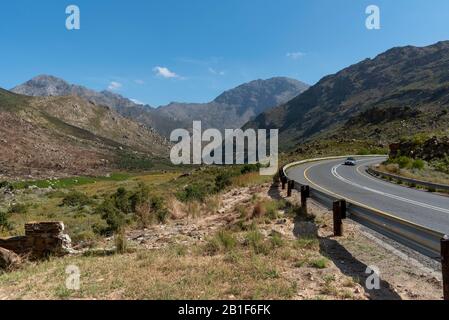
column 361, row 204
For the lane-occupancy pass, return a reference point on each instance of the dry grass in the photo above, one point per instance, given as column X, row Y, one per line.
column 162, row 274
column 250, row 179
column 428, row 174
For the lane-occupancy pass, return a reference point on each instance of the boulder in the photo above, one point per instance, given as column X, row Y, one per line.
column 305, row 230
column 9, row 260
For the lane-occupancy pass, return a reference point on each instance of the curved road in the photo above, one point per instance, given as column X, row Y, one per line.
column 354, row 184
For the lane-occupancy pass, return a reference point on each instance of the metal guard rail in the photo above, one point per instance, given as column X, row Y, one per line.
column 414, row 236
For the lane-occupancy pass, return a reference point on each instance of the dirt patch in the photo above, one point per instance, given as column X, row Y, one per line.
column 402, row 277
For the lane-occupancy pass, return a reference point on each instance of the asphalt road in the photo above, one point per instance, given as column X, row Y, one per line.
column 354, row 184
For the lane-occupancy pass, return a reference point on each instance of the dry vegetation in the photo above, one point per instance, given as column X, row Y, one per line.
column 238, row 244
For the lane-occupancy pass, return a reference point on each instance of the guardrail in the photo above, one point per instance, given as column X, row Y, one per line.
column 428, row 185
column 429, row 242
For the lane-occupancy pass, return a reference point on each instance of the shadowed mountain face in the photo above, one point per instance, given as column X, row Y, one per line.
column 235, row 107
column 400, row 92
column 230, row 110
column 58, row 136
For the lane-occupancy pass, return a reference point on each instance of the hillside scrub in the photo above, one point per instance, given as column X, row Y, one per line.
column 434, row 171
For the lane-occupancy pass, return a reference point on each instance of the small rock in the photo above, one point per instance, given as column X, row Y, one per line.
column 9, row 260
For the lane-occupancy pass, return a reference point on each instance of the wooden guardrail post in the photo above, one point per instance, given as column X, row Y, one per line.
column 445, row 265
column 305, row 193
column 338, row 216
column 290, row 187
column 343, row 208
column 284, row 182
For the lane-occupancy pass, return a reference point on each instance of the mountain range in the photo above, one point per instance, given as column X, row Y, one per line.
column 232, row 109
column 49, row 127
column 398, row 93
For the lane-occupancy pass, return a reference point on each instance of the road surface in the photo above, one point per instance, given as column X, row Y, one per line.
column 356, row 185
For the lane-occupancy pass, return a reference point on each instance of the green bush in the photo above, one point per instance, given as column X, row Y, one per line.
column 140, row 196
column 123, row 201
column 194, row 192
column 4, row 184
column 418, row 164
column 276, row 240
column 74, row 199
column 403, row 162
column 320, row 263
column 222, row 181
column 114, row 218
column 441, row 165
column 4, row 221
column 248, row 168
column 159, row 209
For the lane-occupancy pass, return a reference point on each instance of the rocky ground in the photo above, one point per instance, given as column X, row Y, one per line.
column 402, row 276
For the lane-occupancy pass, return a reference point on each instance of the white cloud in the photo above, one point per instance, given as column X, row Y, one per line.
column 138, row 81
column 295, row 55
column 165, row 73
column 137, row 101
column 114, row 86
column 218, row 73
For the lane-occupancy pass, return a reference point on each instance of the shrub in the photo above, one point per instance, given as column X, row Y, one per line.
column 212, row 247
column 159, row 209
column 139, row 197
column 320, row 263
column 143, row 215
column 74, row 199
column 418, row 164
column 272, row 208
column 259, row 210
column 227, row 240
column 248, row 168
column 222, row 181
column 4, row 184
column 403, row 162
column 276, row 240
column 222, row 241
column 307, row 243
column 18, row 208
column 121, row 243
column 113, row 217
column 194, row 192
column 4, row 221
column 152, row 210
column 442, row 165
column 255, row 240
column 393, row 168
column 420, row 138
column 123, row 200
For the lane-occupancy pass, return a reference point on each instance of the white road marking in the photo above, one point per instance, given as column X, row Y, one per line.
column 385, row 194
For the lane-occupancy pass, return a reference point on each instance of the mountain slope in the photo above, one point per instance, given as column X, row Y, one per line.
column 58, row 136
column 235, row 107
column 400, row 92
column 47, row 86
column 232, row 109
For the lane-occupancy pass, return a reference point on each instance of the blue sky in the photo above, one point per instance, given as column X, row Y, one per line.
column 158, row 51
